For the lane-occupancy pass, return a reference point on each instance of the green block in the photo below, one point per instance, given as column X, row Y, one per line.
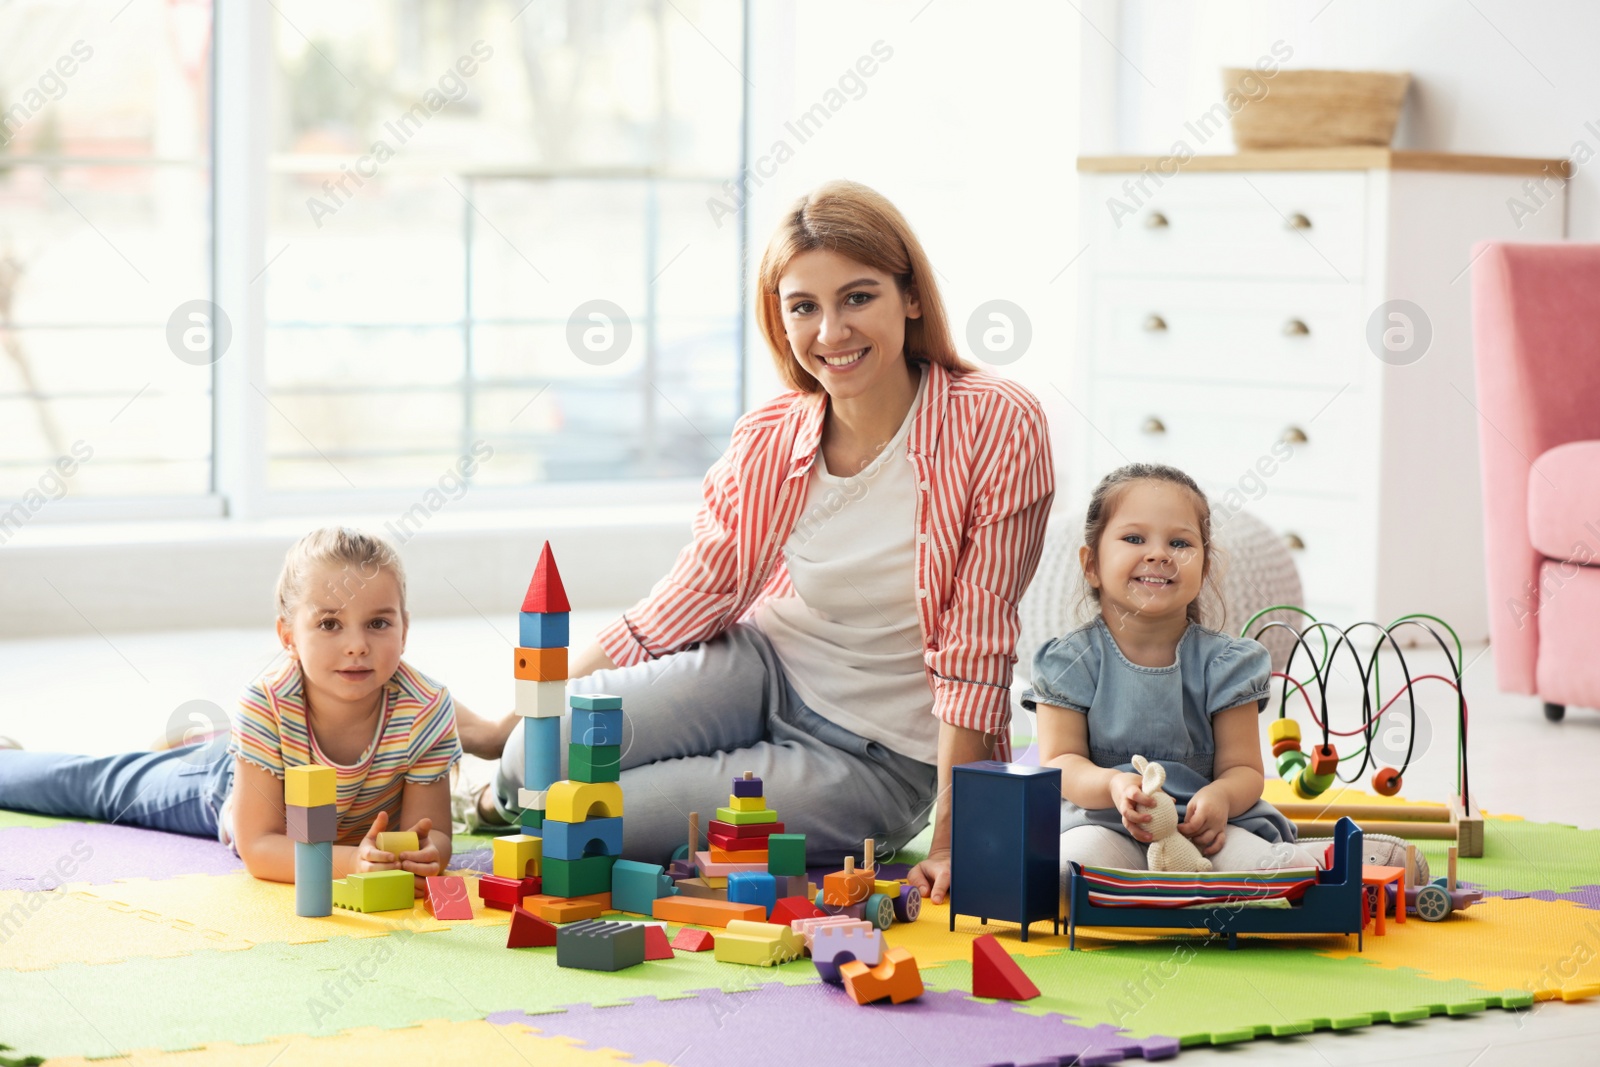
column 786, row 854
column 578, row 878
column 594, row 763
column 532, row 820
column 746, row 818
column 369, row 891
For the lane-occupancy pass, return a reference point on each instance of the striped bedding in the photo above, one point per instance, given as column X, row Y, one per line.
column 1114, row 887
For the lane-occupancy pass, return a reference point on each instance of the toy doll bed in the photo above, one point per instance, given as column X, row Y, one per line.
column 1265, row 902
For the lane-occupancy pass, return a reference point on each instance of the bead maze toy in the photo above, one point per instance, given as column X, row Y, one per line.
column 1332, row 905
column 1311, row 774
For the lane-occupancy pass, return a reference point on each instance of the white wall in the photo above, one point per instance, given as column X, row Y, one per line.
column 1493, row 77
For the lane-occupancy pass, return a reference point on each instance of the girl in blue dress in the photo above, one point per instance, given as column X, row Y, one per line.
column 1148, row 677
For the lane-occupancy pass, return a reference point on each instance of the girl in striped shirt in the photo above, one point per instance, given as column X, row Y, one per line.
column 341, row 697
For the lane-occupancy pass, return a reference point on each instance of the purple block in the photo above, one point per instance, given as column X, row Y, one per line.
column 811, row 1022
column 747, row 787
column 34, row 858
column 313, row 826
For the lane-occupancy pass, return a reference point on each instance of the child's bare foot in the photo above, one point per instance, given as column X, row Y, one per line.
column 482, row 737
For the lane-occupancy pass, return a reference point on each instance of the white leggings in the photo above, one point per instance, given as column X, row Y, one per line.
column 1101, row 846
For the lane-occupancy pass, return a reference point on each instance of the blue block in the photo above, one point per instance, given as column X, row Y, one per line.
column 753, row 887
column 1005, row 843
column 635, row 887
column 596, row 728
column 313, row 878
column 594, row 702
column 541, row 752
column 577, row 840
column 543, row 629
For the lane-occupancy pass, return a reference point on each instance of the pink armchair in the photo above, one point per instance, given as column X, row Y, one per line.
column 1536, row 321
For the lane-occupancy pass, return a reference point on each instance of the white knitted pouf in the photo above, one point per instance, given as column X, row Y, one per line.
column 1253, row 565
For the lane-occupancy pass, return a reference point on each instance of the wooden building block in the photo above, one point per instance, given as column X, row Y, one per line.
column 746, row 818
column 807, row 928
column 504, row 893
column 313, row 879
column 370, row 891
column 545, row 591
column 636, row 886
column 541, row 700
column 518, row 856
column 447, row 897
column 786, row 853
column 728, row 829
column 753, row 887
column 832, row 947
column 896, row 978
column 722, row 855
column 529, row 931
column 1469, row 829
column 312, row 825
column 544, row 629
column 593, row 726
column 532, row 800
column 682, row 909
column 788, row 909
column 395, row 842
column 849, row 886
column 747, row 785
column 701, row 889
column 793, row 885
column 568, row 909
column 594, row 763
column 540, row 665
column 656, row 945
column 996, row 975
column 729, row 843
column 759, row 944
column 747, row 804
column 570, row 801
column 692, row 940
column 596, row 702
column 600, row 946
column 710, row 868
column 310, row 786
column 575, row 840
column 589, row 876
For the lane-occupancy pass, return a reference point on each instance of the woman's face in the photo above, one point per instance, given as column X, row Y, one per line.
column 845, row 322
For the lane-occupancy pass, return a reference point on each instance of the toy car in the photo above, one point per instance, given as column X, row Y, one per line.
column 1436, row 900
column 857, row 893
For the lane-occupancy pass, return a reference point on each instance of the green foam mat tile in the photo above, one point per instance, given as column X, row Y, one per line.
column 9, row 819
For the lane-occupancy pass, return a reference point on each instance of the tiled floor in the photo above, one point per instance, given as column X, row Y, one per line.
column 121, row 691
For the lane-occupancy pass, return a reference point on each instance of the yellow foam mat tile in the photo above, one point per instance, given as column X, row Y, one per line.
column 429, row 1042
column 1543, row 947
column 243, row 908
column 96, row 931
column 930, row 941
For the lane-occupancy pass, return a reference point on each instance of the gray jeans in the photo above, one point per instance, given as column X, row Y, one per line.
column 694, row 721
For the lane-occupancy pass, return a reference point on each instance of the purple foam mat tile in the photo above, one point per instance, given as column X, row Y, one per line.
column 1585, row 896
column 808, row 1024
column 480, row 860
column 34, row 858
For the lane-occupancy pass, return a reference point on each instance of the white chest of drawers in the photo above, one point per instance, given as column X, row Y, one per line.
column 1238, row 320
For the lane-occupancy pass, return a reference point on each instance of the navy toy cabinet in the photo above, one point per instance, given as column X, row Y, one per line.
column 1005, row 843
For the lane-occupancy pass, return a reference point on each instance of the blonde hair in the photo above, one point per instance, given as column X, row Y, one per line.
column 332, row 546
column 860, row 224
column 1103, row 504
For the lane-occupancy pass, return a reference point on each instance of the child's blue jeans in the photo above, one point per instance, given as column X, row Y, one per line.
column 180, row 790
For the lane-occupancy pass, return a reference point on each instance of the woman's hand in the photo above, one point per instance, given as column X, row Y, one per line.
column 1206, row 820
column 1127, row 797
column 932, row 876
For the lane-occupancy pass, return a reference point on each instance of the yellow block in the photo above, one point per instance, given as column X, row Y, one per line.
column 398, row 841
column 310, row 786
column 747, row 803
column 518, row 856
column 577, row 801
column 757, row 944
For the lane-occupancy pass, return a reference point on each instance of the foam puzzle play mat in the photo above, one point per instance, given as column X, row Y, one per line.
column 546, row 946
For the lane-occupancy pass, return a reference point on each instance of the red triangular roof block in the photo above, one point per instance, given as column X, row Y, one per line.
column 693, row 940
column 447, row 897
column 789, row 909
column 529, row 931
column 655, row 944
column 996, row 975
column 545, row 592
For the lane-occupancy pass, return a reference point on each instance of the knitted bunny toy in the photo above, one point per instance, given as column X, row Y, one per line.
column 1170, row 851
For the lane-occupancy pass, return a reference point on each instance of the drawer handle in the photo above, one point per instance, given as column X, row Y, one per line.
column 1155, row 324
column 1156, row 221
column 1294, row 541
column 1298, row 221
column 1296, row 328
column 1153, row 425
column 1294, row 435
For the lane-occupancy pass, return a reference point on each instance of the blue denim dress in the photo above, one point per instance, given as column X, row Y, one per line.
column 1161, row 713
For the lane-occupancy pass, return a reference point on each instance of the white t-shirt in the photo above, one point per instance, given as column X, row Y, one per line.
column 849, row 636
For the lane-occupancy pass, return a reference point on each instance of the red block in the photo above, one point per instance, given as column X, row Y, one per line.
column 692, row 940
column 738, row 844
column 447, row 897
column 506, row 893
column 655, row 944
column 545, row 592
column 728, row 829
column 996, row 975
column 791, row 908
column 529, row 931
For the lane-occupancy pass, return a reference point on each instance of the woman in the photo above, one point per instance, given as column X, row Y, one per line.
column 844, row 621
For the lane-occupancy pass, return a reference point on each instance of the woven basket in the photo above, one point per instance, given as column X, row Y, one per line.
column 1314, row 108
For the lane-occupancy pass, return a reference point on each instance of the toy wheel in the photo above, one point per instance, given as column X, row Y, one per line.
column 908, row 905
column 1433, row 903
column 879, row 911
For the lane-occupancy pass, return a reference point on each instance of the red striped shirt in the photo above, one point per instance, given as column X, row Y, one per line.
column 981, row 452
